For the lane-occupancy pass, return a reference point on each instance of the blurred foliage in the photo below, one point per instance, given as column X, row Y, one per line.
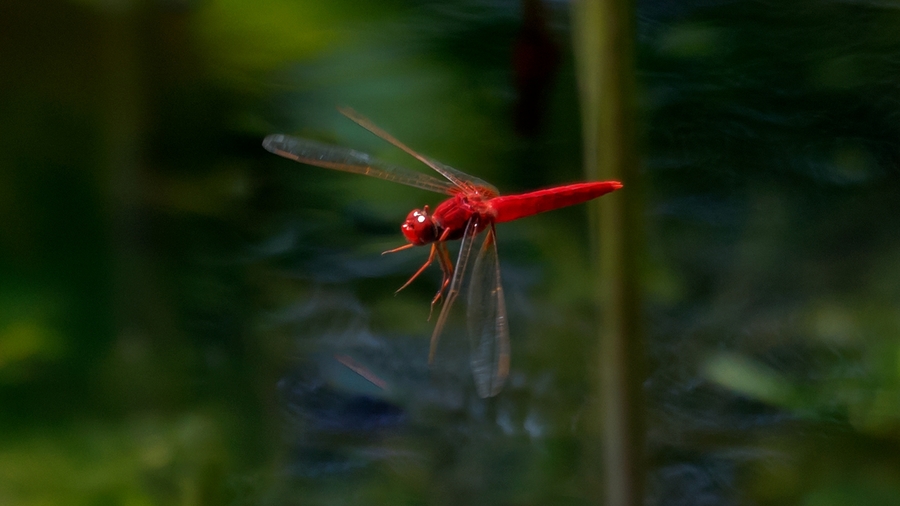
column 774, row 168
column 173, row 298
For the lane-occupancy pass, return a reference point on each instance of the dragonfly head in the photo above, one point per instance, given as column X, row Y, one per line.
column 419, row 227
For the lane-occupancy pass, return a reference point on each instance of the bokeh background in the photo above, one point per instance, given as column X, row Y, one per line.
column 181, row 312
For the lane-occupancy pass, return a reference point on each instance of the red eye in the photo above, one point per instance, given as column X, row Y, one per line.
column 419, row 227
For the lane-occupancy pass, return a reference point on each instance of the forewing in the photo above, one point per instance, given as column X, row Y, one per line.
column 486, row 318
column 348, row 160
column 459, row 179
column 471, row 183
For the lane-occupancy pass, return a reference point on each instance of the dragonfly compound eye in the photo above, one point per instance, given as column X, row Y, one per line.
column 419, row 228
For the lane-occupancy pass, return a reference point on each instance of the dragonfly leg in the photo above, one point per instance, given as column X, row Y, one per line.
column 421, row 269
column 446, row 269
column 401, row 248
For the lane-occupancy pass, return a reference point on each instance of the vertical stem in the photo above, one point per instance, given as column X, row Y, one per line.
column 604, row 51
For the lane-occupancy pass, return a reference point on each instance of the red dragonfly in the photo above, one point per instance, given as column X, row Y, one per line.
column 469, row 214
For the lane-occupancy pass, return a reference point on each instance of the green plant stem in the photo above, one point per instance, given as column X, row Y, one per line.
column 604, row 52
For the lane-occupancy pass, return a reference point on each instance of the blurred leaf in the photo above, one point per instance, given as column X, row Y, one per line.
column 749, row 378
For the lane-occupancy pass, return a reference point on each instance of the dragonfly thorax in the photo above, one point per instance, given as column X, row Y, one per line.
column 419, row 227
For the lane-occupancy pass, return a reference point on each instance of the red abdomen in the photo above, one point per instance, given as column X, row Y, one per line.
column 513, row 207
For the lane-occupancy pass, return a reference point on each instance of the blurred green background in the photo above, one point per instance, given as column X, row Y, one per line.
column 178, row 306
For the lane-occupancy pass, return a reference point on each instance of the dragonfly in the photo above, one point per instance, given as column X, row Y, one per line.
column 469, row 214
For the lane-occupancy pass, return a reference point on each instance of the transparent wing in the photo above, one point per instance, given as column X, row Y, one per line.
column 348, row 160
column 473, row 228
column 486, row 318
column 486, row 314
column 460, row 179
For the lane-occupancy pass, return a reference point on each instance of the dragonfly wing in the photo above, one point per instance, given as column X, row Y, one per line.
column 349, row 160
column 460, row 179
column 471, row 183
column 486, row 318
column 473, row 227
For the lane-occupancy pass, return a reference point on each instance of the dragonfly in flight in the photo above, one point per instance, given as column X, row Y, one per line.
column 469, row 214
